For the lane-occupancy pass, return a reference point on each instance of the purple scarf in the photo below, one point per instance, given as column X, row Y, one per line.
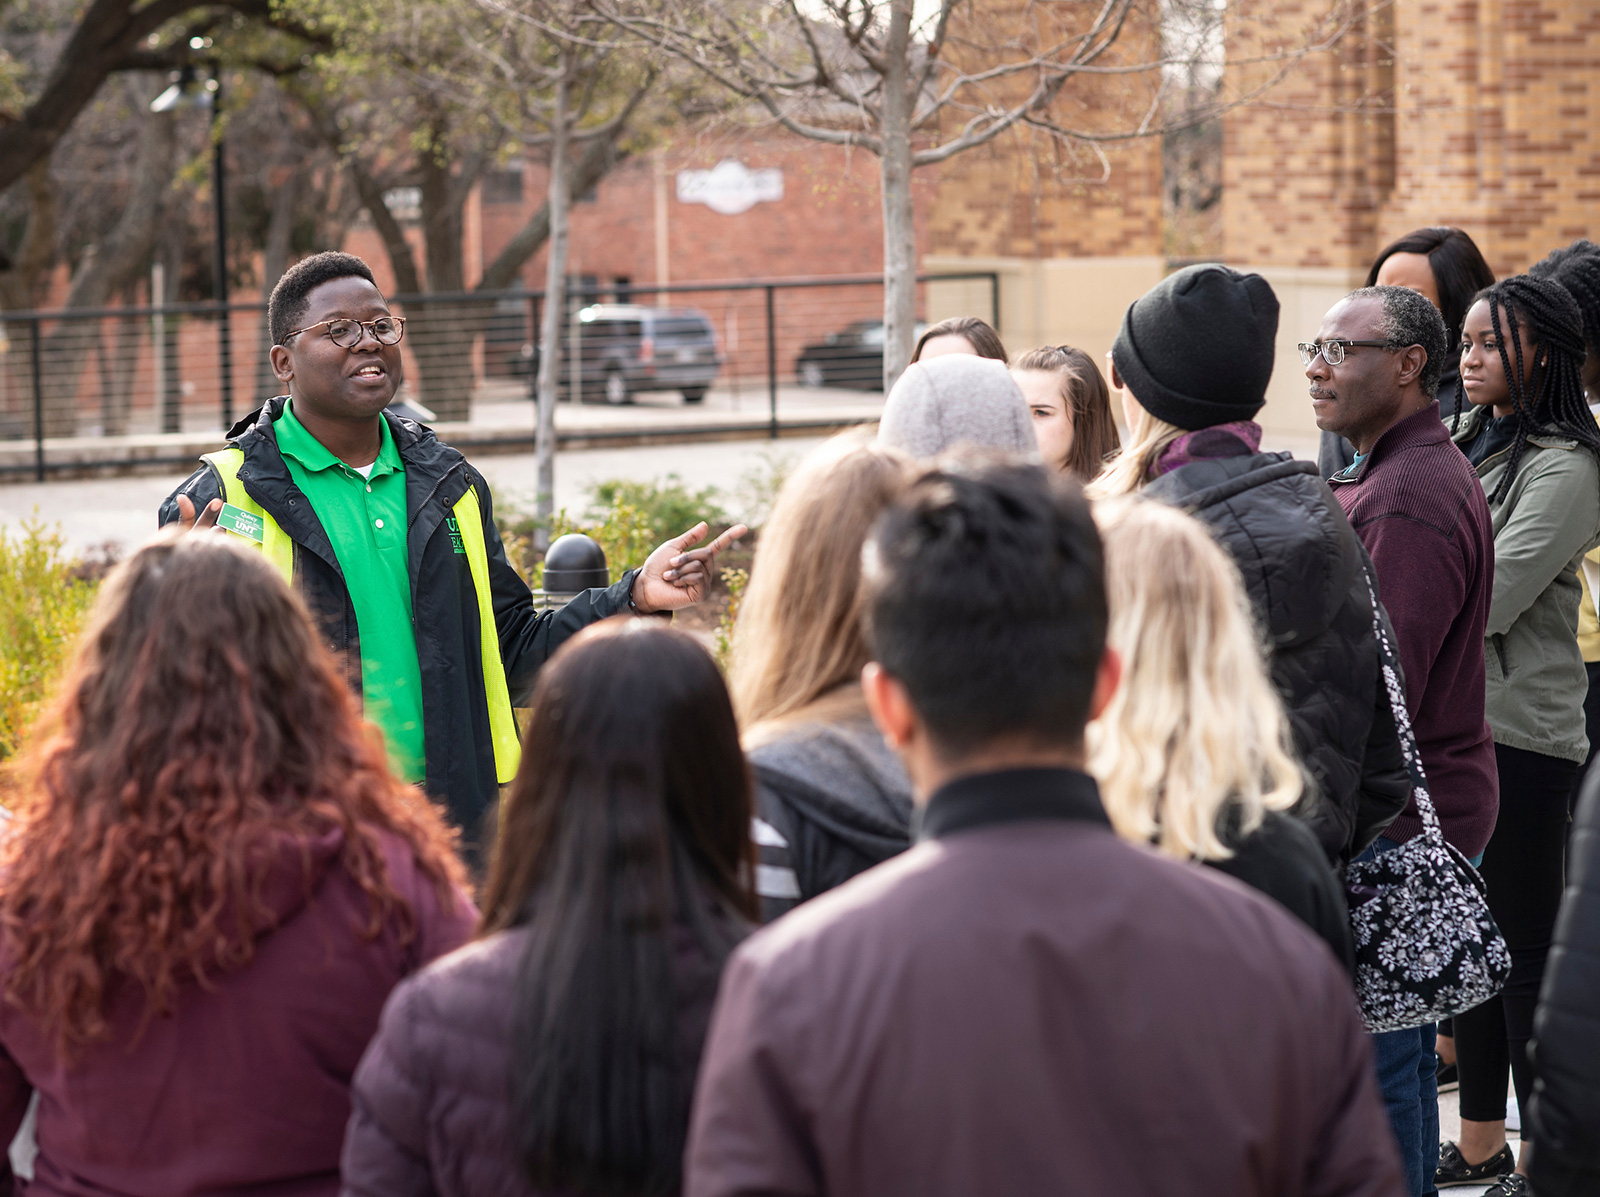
column 1237, row 439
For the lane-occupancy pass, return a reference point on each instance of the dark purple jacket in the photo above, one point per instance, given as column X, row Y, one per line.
column 432, row 1099
column 1416, row 503
column 1023, row 1003
column 245, row 1087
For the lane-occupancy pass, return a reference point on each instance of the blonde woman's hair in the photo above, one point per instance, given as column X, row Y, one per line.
column 1130, row 470
column 798, row 647
column 1195, row 739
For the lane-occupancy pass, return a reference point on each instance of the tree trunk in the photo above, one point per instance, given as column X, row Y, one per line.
column 114, row 261
column 899, row 223
column 117, row 357
column 554, row 309
column 445, row 330
column 20, row 276
column 274, row 261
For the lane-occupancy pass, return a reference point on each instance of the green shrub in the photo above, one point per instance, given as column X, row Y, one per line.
column 44, row 597
column 628, row 519
column 666, row 506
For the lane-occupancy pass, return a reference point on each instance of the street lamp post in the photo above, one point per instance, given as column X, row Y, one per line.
column 183, row 94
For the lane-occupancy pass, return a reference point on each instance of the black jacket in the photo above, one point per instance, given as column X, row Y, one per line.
column 1302, row 567
column 1283, row 860
column 444, row 605
column 1565, row 1109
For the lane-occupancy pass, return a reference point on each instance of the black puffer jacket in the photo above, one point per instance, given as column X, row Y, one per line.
column 1302, row 567
column 1565, row 1109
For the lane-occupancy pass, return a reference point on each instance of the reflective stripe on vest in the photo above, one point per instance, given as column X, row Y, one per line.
column 275, row 544
column 279, row 550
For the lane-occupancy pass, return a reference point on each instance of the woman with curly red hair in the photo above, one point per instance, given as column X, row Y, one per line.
column 210, row 887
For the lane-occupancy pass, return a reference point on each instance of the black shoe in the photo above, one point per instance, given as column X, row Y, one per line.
column 1514, row 1185
column 1447, row 1078
column 1453, row 1170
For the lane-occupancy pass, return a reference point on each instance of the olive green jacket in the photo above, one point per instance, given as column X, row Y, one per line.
column 1548, row 519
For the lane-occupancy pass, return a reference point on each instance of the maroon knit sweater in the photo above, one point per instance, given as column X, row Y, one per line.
column 1417, row 505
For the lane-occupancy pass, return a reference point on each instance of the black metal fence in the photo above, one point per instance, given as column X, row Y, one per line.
column 106, row 383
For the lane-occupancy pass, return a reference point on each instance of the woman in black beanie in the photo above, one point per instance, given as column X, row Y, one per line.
column 1193, row 359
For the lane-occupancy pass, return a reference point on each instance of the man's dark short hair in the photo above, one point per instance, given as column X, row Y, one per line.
column 1409, row 318
column 287, row 307
column 985, row 598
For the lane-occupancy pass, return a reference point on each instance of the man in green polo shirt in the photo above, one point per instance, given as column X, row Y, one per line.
column 439, row 633
column 363, row 509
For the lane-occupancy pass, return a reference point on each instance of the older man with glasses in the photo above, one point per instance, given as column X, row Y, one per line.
column 389, row 535
column 1415, row 502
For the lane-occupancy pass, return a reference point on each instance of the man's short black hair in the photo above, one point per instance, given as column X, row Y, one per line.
column 287, row 307
column 985, row 597
column 1409, row 318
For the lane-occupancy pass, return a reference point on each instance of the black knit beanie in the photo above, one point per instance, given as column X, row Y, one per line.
column 1196, row 349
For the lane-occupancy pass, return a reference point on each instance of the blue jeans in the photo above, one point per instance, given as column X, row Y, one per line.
column 1408, row 1078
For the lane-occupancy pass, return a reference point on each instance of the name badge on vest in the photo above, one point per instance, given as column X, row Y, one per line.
column 241, row 523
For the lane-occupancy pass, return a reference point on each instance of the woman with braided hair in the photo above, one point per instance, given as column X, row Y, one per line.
column 1577, row 268
column 1537, row 452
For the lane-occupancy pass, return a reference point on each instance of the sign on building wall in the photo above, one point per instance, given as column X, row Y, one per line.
column 730, row 187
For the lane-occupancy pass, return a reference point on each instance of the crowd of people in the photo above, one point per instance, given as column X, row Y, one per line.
column 1021, row 849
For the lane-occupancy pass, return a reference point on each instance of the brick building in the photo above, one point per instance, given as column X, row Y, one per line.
column 1476, row 113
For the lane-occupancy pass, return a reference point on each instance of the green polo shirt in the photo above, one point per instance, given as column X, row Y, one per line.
column 365, row 518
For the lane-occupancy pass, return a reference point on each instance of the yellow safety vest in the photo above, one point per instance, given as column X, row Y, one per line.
column 279, row 551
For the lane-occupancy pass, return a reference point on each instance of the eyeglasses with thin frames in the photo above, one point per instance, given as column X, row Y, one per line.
column 1333, row 351
column 346, row 333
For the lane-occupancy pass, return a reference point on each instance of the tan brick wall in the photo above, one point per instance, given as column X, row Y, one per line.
column 1028, row 194
column 1480, row 114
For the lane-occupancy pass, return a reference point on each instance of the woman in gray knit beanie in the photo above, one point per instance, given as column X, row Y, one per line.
column 957, row 400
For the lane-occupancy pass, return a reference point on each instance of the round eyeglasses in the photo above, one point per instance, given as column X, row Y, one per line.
column 346, row 334
column 1333, row 351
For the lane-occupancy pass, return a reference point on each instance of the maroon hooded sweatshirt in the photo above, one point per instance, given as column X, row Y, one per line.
column 245, row 1086
column 1418, row 507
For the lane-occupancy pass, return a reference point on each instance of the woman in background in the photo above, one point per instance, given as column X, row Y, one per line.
column 1446, row 266
column 1537, row 452
column 1577, row 268
column 557, row 1054
column 1071, row 408
column 959, row 334
column 212, row 885
column 1193, row 755
column 831, row 798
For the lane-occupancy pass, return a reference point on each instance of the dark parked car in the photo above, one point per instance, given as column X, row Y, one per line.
column 852, row 357
column 625, row 348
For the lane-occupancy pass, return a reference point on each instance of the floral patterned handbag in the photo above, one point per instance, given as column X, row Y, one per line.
column 1427, row 947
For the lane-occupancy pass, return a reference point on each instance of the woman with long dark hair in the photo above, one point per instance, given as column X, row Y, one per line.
column 1445, row 266
column 211, row 885
column 1537, row 453
column 558, row 1053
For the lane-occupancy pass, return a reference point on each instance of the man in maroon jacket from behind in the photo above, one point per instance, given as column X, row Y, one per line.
column 1024, row 1003
column 1416, row 503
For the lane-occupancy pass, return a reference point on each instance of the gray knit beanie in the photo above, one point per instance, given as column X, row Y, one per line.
column 957, row 399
